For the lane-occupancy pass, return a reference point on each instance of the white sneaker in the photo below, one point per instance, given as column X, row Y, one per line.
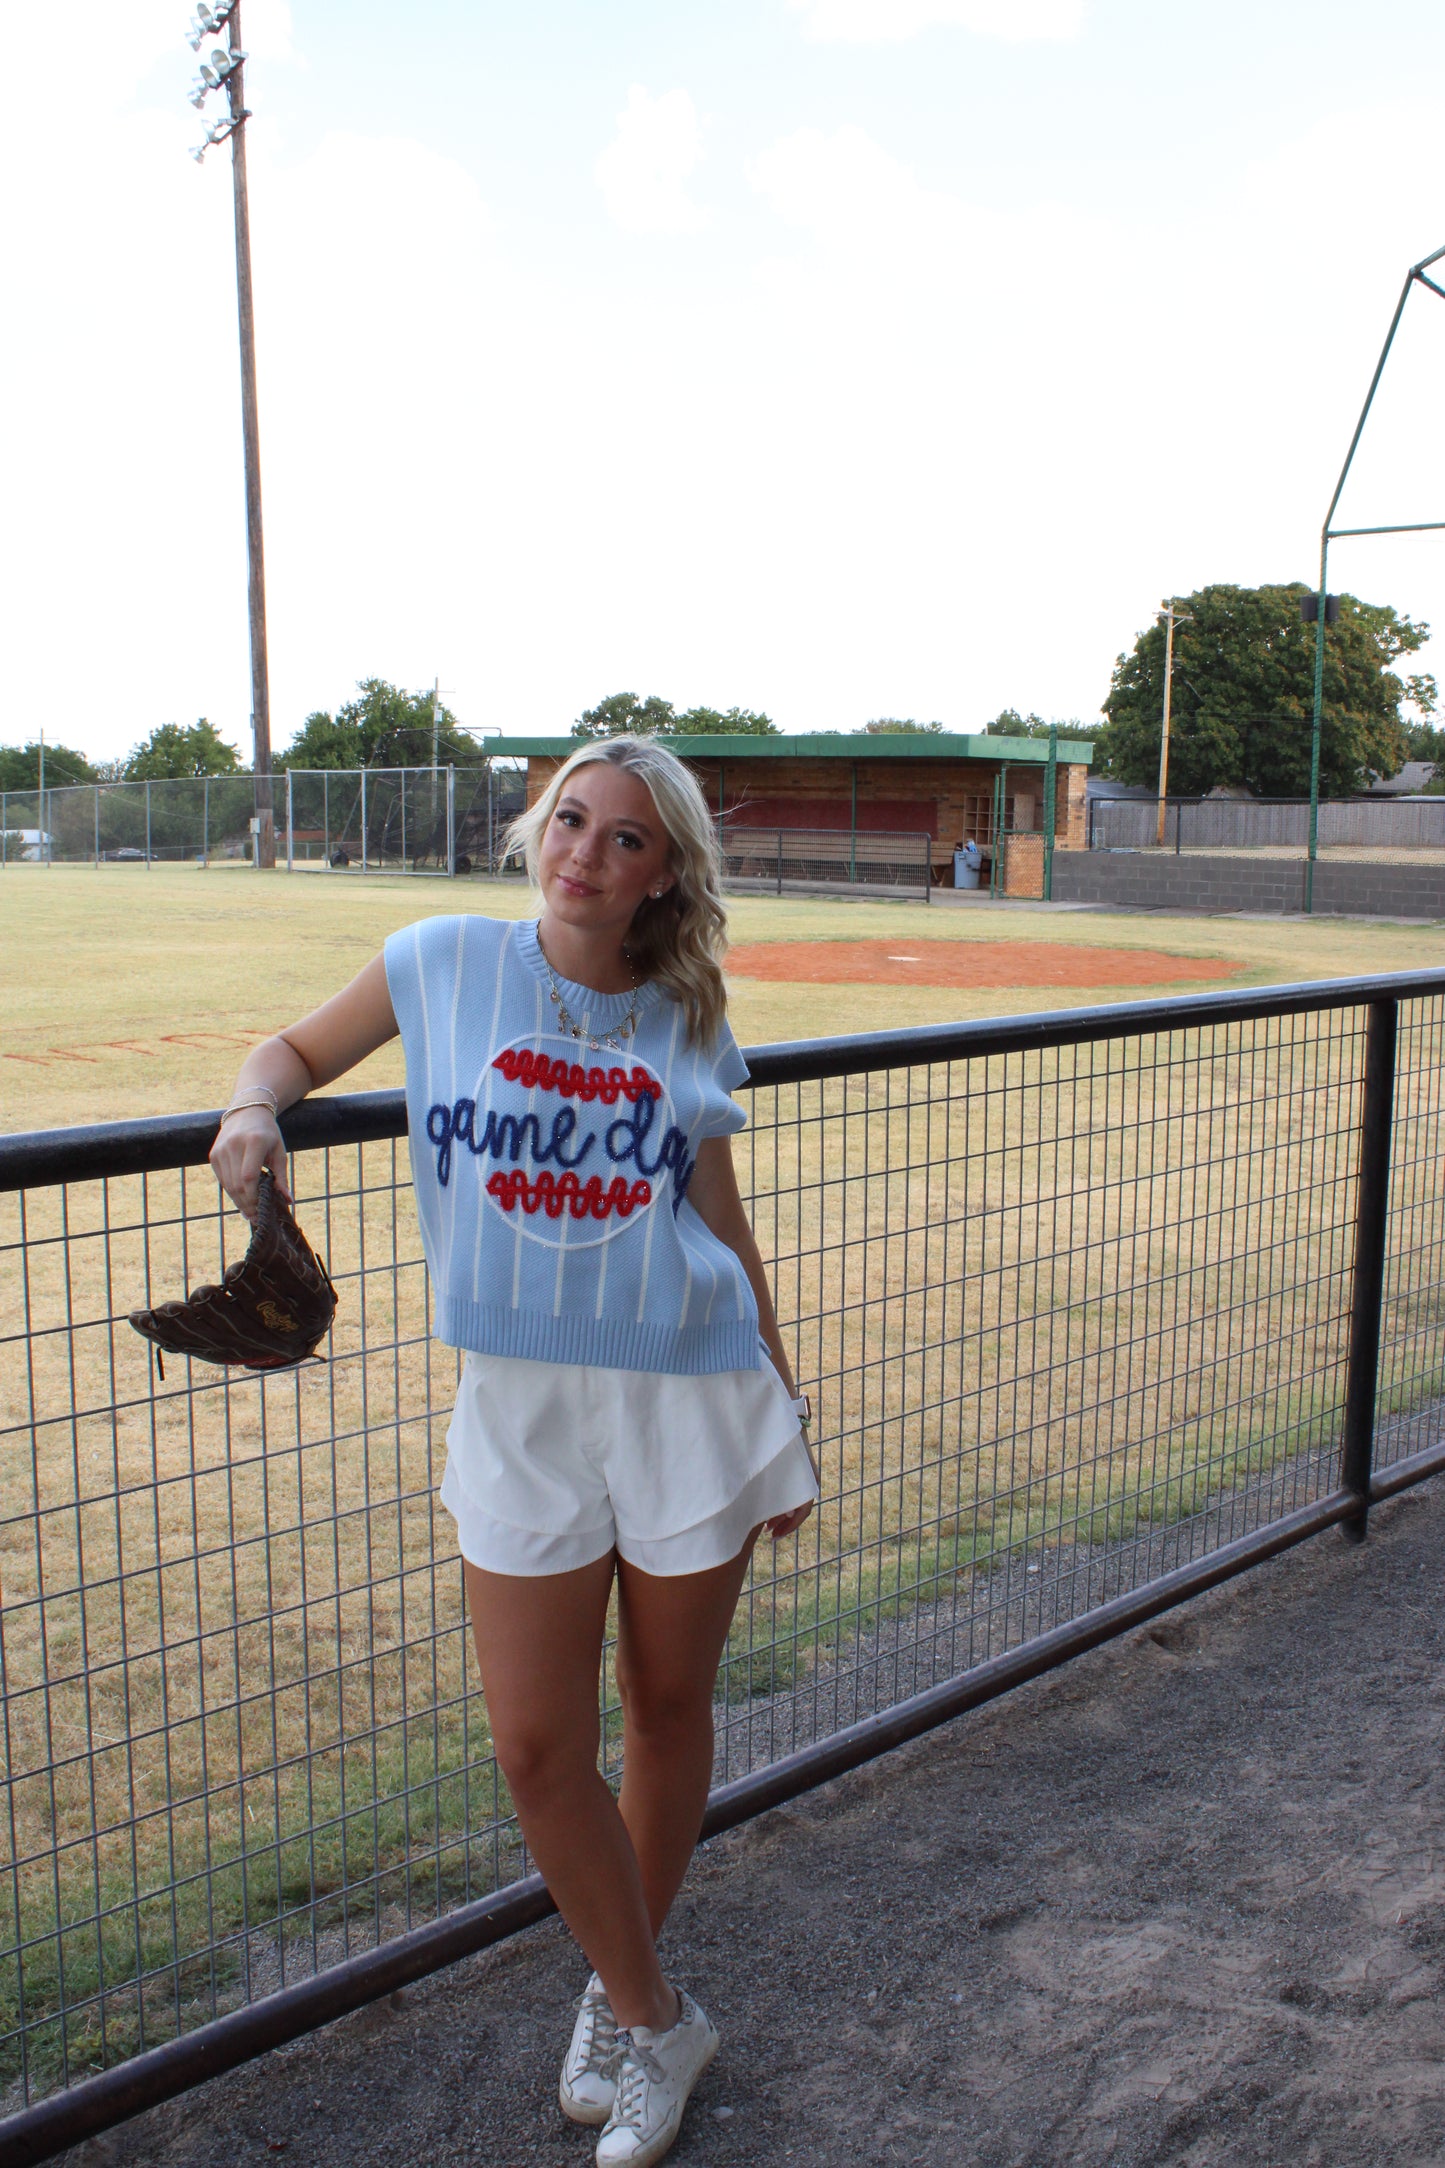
column 654, row 2072
column 585, row 2093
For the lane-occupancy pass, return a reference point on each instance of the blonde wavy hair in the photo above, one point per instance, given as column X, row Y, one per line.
column 679, row 938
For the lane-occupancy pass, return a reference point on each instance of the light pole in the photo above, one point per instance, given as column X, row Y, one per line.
column 225, row 70
column 1171, row 618
column 1326, row 605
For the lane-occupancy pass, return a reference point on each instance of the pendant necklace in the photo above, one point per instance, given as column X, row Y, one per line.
column 619, row 1034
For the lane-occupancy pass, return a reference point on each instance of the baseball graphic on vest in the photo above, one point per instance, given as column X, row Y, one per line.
column 568, row 1150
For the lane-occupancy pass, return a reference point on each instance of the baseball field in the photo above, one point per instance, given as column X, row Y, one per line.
column 130, row 990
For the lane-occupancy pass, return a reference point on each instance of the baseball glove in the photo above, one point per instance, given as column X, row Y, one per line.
column 269, row 1312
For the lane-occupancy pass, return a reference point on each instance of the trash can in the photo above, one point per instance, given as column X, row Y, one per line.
column 966, row 862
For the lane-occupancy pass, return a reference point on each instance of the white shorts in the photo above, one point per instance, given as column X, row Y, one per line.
column 552, row 1465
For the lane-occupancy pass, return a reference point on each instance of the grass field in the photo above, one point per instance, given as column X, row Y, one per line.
column 184, row 967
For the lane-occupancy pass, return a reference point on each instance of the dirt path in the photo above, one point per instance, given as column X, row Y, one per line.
column 1182, row 1902
column 947, row 961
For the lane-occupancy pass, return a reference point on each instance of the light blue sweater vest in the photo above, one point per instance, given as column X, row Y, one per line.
column 551, row 1176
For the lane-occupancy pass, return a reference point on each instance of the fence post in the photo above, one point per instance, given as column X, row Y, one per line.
column 206, row 824
column 363, row 820
column 452, row 819
column 1051, row 806
column 1368, row 1277
column 290, row 825
column 97, row 824
column 1178, row 824
column 148, row 824
column 780, row 861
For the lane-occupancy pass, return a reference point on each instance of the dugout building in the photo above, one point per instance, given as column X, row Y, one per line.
column 886, row 810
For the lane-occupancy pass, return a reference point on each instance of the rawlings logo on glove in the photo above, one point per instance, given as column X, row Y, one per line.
column 270, row 1311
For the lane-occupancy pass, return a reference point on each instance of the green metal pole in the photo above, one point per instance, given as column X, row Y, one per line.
column 1051, row 790
column 853, row 827
column 1315, row 726
column 995, row 871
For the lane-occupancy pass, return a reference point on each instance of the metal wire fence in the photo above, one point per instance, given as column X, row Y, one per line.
column 379, row 820
column 1085, row 1303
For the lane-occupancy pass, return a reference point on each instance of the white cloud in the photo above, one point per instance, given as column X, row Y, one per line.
column 879, row 22
column 643, row 171
column 842, row 185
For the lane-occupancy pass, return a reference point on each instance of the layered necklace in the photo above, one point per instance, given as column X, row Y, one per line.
column 568, row 1025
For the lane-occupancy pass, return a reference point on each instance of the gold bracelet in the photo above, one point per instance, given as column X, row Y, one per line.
column 257, row 1095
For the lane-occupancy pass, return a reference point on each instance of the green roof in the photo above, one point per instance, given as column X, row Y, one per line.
column 813, row 745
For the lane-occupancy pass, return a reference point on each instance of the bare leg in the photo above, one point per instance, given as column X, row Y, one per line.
column 670, row 1642
column 539, row 1645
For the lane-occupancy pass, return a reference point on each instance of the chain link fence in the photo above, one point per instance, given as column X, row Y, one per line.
column 1095, row 1308
column 377, row 820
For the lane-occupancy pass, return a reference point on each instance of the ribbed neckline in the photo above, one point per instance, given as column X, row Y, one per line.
column 600, row 1012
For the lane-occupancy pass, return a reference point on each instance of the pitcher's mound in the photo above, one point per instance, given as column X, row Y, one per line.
column 965, row 963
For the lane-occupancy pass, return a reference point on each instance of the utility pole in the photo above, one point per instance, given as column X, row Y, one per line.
column 1171, row 618
column 227, row 68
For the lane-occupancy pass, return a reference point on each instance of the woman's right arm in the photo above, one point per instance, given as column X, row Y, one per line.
column 323, row 1046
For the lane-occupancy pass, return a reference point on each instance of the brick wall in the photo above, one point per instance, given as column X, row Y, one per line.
column 1023, row 866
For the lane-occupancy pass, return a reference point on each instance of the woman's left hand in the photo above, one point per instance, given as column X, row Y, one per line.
column 787, row 1524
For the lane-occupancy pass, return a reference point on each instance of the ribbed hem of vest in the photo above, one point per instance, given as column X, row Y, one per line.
column 694, row 1351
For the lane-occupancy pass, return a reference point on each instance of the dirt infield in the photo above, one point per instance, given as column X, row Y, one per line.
column 910, row 962
column 1180, row 1905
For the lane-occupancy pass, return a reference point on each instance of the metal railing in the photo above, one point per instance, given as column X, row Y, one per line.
column 1253, row 824
column 1097, row 1308
column 780, row 858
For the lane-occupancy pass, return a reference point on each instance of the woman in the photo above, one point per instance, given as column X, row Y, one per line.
column 626, row 1409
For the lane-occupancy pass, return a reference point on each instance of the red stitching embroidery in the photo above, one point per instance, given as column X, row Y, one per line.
column 548, row 1194
column 524, row 1066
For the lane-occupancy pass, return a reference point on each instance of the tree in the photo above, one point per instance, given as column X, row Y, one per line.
column 20, row 766
column 171, row 752
column 729, row 722
column 1423, row 740
column 1010, row 724
column 1243, row 695
column 382, row 728
column 622, row 712
column 886, row 726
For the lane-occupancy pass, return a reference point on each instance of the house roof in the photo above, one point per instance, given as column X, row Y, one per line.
column 1412, row 778
column 891, row 745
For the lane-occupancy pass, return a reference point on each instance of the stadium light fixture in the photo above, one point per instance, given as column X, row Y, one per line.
column 209, row 23
column 1324, row 614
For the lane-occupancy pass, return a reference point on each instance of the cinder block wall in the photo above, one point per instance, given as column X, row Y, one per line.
column 1245, row 881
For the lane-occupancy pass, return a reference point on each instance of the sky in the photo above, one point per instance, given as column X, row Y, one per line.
column 838, row 358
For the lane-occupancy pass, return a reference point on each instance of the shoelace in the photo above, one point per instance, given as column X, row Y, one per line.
column 601, row 2032
column 631, row 2064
